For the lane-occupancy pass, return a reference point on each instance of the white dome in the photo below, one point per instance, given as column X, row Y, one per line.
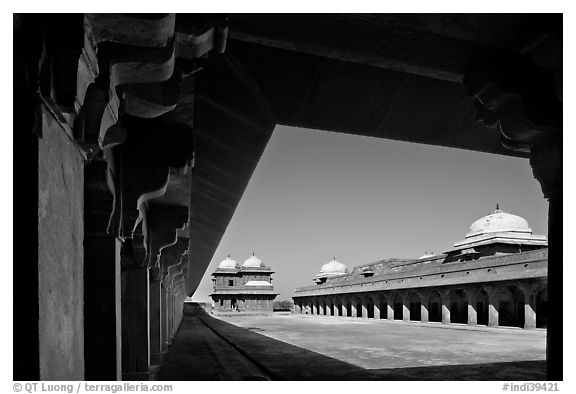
column 333, row 267
column 253, row 262
column 499, row 222
column 228, row 263
column 426, row 255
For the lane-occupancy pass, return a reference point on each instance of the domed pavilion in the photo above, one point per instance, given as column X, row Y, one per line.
column 496, row 276
column 245, row 288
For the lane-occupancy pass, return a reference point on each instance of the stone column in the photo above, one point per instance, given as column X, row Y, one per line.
column 445, row 308
column 135, row 324
column 492, row 315
column 102, row 309
column 529, row 310
column 424, row 309
column 492, row 307
column 155, row 321
column 322, row 308
column 353, row 308
column 164, row 316
column 364, row 308
column 405, row 308
column 389, row 310
column 546, row 163
column 376, row 310
column 472, row 312
column 344, row 309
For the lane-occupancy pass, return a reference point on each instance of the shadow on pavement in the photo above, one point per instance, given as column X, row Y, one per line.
column 206, row 348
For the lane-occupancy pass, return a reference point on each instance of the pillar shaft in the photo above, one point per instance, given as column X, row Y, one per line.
column 445, row 313
column 554, row 349
column 472, row 313
column 529, row 311
column 492, row 314
column 163, row 317
column 424, row 312
column 155, row 322
column 102, row 309
column 405, row 311
column 364, row 310
column 376, row 311
column 135, row 325
column 389, row 311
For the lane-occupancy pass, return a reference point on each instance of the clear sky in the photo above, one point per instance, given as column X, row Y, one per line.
column 315, row 195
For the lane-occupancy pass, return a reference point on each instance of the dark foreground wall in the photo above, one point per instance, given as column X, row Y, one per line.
column 60, row 254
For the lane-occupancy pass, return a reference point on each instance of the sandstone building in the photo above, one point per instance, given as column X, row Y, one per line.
column 135, row 136
column 496, row 276
column 243, row 288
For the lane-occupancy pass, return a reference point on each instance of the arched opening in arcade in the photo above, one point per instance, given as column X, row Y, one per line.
column 358, row 304
column 370, row 307
column 511, row 307
column 339, row 307
column 383, row 308
column 481, row 305
column 458, row 306
column 348, row 308
column 434, row 307
column 542, row 308
column 414, row 305
column 398, row 307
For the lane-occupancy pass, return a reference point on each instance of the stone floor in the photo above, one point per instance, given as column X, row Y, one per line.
column 292, row 347
column 413, row 348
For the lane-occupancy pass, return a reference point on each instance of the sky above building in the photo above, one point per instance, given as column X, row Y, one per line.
column 316, row 195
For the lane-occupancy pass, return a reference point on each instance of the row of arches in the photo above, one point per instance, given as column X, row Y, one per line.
column 513, row 304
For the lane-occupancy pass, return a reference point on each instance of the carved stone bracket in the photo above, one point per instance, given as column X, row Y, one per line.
column 137, row 63
column 514, row 95
column 139, row 169
column 546, row 163
column 164, row 222
column 172, row 255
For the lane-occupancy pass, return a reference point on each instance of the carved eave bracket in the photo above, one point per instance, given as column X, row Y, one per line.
column 172, row 255
column 139, row 169
column 134, row 64
column 164, row 220
column 515, row 96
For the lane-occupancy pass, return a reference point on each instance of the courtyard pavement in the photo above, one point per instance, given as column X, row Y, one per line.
column 410, row 348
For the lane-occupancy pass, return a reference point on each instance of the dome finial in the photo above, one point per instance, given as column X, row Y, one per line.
column 252, row 253
column 497, row 206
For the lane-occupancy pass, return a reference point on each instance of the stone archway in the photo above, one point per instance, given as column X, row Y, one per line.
column 369, row 306
column 542, row 307
column 338, row 310
column 481, row 303
column 398, row 305
column 511, row 307
column 348, row 303
column 457, row 303
column 383, row 306
column 435, row 306
column 357, row 306
column 414, row 304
